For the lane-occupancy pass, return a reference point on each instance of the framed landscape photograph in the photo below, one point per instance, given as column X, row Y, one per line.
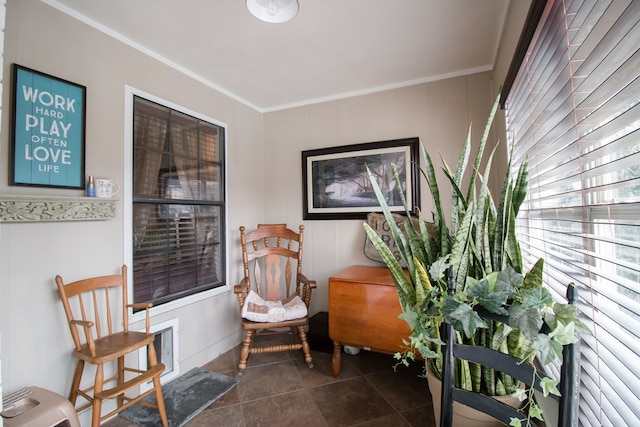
column 47, row 130
column 336, row 184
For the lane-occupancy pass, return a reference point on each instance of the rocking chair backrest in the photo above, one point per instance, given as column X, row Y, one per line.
column 272, row 259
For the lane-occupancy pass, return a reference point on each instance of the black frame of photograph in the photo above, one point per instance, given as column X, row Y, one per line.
column 343, row 168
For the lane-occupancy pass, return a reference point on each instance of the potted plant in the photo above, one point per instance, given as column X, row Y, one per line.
column 480, row 242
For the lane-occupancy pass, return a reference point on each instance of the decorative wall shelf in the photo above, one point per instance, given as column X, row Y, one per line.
column 14, row 208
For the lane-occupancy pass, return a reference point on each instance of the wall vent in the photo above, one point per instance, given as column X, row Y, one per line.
column 167, row 350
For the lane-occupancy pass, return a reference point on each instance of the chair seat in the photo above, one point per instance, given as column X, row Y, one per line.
column 249, row 325
column 113, row 346
column 257, row 309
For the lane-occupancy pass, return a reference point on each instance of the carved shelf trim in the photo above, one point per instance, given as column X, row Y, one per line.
column 14, row 208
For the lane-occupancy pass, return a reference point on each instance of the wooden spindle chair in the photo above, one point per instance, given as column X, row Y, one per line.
column 94, row 307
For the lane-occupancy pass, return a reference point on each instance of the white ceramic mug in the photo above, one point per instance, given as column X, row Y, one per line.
column 106, row 188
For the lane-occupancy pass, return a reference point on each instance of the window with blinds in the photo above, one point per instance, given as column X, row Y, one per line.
column 178, row 204
column 574, row 112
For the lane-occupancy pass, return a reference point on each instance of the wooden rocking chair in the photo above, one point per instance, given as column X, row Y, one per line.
column 267, row 300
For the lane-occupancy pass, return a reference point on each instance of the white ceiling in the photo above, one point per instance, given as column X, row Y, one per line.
column 331, row 49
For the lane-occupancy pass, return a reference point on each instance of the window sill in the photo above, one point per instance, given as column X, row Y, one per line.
column 19, row 208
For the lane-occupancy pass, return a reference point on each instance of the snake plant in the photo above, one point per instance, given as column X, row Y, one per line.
column 479, row 240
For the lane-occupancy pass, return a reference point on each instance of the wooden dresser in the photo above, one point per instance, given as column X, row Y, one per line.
column 363, row 312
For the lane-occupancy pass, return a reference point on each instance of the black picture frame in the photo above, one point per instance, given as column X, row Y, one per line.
column 327, row 171
column 48, row 129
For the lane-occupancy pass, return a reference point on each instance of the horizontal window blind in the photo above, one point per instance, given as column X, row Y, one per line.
column 178, row 204
column 574, row 113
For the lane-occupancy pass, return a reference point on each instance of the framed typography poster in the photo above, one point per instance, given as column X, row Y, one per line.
column 48, row 130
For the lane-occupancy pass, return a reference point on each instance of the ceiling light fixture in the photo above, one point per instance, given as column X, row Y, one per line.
column 274, row 11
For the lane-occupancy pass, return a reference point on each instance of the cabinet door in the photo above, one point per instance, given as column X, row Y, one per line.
column 366, row 315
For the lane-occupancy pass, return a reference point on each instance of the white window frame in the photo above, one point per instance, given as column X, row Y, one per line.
column 127, row 195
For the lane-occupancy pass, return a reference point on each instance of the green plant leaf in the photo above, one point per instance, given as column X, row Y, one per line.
column 520, row 187
column 502, row 218
column 421, row 280
column 442, row 232
column 512, row 247
column 398, row 236
column 499, row 338
column 533, row 278
column 515, row 422
column 439, row 267
column 427, row 236
column 519, row 345
column 458, row 198
column 462, row 316
column 535, row 412
column 425, row 351
column 537, row 298
column 418, row 247
column 403, row 200
column 463, row 159
column 483, row 143
column 565, row 314
column 509, row 278
column 459, row 253
column 564, row 334
column 484, row 206
column 491, row 297
column 404, row 287
column 520, row 394
column 548, row 350
column 549, row 386
column 528, row 320
column 409, row 316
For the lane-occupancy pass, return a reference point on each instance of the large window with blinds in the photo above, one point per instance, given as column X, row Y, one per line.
column 178, row 203
column 574, row 112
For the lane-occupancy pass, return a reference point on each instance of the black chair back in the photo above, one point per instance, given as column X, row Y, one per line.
column 512, row 366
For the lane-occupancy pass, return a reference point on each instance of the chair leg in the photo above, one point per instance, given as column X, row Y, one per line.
column 305, row 346
column 153, row 360
column 244, row 353
column 97, row 403
column 294, row 332
column 120, row 379
column 75, row 384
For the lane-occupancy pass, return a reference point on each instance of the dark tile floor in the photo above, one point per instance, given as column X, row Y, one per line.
column 279, row 389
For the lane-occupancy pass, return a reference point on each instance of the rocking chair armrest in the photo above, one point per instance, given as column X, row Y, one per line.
column 243, row 286
column 304, row 288
column 307, row 282
column 242, row 290
column 146, row 306
column 87, row 325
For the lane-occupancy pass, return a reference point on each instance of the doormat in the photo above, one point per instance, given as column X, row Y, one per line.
column 185, row 397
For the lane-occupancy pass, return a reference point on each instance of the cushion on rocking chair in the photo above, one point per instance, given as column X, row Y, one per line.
column 257, row 309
